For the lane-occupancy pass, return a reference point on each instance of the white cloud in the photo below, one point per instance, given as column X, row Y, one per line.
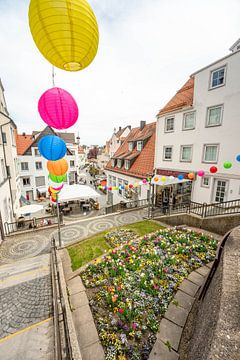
column 147, row 50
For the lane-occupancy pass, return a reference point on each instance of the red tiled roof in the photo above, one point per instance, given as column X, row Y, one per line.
column 144, row 163
column 23, row 142
column 184, row 97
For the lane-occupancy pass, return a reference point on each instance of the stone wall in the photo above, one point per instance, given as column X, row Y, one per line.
column 218, row 225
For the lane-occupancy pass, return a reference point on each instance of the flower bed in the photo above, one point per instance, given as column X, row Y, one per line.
column 130, row 289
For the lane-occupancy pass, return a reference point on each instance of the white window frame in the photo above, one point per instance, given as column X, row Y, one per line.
column 181, row 153
column 24, row 162
column 208, row 113
column 36, row 152
column 119, row 161
column 184, row 118
column 127, row 164
column 38, row 168
column 164, row 152
column 202, row 181
column 37, row 177
column 166, row 121
column 72, row 165
column 131, row 146
column 113, row 162
column 204, row 153
column 25, row 178
column 211, row 77
column 139, row 145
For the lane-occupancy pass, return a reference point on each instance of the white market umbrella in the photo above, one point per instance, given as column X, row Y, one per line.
column 76, row 192
column 29, row 209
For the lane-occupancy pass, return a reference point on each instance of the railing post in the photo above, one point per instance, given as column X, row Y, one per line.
column 204, row 210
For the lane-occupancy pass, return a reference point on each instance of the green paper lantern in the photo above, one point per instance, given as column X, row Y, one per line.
column 227, row 165
column 57, row 179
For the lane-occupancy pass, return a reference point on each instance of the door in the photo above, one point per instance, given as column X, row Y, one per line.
column 220, row 192
column 29, row 195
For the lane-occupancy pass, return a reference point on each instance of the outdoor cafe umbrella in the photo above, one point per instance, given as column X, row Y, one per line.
column 76, row 192
column 29, row 209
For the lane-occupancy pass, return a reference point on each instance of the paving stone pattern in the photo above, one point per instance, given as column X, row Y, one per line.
column 25, row 304
column 35, row 243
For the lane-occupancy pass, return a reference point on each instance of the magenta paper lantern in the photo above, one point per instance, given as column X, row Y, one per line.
column 58, row 108
column 201, row 173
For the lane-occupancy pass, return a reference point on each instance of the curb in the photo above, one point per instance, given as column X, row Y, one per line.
column 172, row 324
column 86, row 331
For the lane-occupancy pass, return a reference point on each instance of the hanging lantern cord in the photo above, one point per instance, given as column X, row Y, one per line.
column 53, row 76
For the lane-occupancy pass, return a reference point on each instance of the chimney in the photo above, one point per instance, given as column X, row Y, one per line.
column 130, row 127
column 142, row 124
column 23, row 134
column 120, row 128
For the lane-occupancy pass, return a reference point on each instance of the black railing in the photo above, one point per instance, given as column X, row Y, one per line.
column 203, row 210
column 35, row 223
column 126, row 205
column 62, row 342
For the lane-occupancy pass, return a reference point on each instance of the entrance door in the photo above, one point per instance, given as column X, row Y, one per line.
column 29, row 195
column 220, row 191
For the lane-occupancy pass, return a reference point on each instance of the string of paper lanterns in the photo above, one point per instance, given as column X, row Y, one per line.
column 66, row 34
column 190, row 176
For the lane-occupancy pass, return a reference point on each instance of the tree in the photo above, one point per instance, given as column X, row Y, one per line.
column 93, row 153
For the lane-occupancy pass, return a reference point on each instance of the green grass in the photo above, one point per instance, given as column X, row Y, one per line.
column 95, row 246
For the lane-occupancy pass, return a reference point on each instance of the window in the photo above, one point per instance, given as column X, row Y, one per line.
column 169, row 124
column 13, row 137
column 214, row 115
column 205, row 182
column 186, row 153
column 119, row 163
column 26, row 181
column 72, row 163
column 110, row 180
column 218, row 77
column 139, row 145
column 114, row 181
column 24, row 166
column 38, row 165
column 125, row 194
column 120, row 184
column 36, row 152
column 40, row 180
column 210, row 153
column 189, row 121
column 113, row 162
column 221, row 189
column 130, row 146
column 3, row 169
column 127, row 164
column 167, row 153
column 4, row 138
column 8, row 171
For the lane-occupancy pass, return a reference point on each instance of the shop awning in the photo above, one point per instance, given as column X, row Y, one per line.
column 76, row 192
column 170, row 180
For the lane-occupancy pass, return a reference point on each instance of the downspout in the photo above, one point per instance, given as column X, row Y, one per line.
column 5, row 162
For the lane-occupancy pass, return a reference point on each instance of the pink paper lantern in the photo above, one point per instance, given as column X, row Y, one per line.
column 58, row 108
column 201, row 173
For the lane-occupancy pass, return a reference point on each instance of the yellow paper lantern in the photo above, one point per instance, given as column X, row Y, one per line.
column 65, row 32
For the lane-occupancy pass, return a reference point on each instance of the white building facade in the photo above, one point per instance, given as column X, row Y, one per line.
column 117, row 139
column 196, row 134
column 9, row 174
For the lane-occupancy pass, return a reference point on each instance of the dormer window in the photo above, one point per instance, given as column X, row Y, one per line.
column 127, row 164
column 131, row 146
column 119, row 163
column 113, row 162
column 139, row 145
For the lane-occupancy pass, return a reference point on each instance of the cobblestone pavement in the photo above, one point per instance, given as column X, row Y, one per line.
column 34, row 243
column 24, row 304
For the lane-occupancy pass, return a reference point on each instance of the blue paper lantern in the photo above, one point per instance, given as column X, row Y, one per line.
column 238, row 158
column 180, row 177
column 122, row 187
column 52, row 147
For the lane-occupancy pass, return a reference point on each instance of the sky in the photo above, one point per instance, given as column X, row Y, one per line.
column 147, row 51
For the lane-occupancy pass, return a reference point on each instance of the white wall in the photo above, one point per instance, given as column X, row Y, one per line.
column 226, row 135
column 143, row 189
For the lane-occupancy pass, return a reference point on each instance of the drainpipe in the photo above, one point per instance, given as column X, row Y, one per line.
column 5, row 162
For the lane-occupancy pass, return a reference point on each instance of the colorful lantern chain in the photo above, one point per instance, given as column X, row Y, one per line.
column 163, row 179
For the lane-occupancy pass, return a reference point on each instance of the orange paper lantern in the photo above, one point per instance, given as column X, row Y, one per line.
column 58, row 168
column 191, row 176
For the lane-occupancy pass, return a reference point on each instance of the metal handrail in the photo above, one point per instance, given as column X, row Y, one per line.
column 63, row 348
